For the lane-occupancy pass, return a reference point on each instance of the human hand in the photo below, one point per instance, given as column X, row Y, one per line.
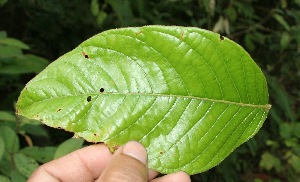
column 96, row 163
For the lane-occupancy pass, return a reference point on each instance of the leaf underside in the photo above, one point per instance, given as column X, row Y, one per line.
column 188, row 95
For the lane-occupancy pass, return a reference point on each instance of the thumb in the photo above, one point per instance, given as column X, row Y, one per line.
column 128, row 164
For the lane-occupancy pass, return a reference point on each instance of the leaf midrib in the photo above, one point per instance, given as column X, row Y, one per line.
column 266, row 106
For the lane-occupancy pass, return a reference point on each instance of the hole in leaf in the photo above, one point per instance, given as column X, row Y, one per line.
column 221, row 37
column 101, row 90
column 58, row 109
column 85, row 56
column 89, row 98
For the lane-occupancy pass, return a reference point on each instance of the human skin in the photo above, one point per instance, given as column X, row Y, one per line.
column 96, row 163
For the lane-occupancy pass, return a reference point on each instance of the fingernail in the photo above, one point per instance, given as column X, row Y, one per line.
column 135, row 150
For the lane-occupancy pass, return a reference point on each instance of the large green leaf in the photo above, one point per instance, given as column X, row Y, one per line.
column 188, row 95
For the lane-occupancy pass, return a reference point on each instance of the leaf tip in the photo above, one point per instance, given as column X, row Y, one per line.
column 268, row 107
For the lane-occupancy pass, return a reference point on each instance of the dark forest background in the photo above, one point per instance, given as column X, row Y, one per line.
column 34, row 33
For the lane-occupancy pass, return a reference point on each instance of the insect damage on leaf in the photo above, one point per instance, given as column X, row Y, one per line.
column 190, row 96
column 221, row 37
column 89, row 98
column 85, row 55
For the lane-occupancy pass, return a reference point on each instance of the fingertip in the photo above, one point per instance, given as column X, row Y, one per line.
column 174, row 177
column 136, row 150
column 128, row 164
column 40, row 174
column 183, row 176
column 152, row 174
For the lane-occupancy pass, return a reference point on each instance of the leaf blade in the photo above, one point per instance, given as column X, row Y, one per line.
column 190, row 86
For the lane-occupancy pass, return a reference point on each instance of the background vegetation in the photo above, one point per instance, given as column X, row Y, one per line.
column 35, row 32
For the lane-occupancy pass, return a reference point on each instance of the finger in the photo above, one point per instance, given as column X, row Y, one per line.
column 85, row 164
column 174, row 177
column 128, row 164
column 152, row 174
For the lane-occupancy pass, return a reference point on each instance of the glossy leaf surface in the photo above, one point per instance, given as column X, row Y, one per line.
column 188, row 95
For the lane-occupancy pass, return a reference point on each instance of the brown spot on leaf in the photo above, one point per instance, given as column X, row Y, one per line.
column 140, row 32
column 85, row 55
column 221, row 37
column 181, row 35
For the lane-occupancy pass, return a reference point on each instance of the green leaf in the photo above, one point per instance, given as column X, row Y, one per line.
column 94, row 7
column 269, row 161
column 8, row 52
column 10, row 138
column 2, row 3
column 7, row 116
column 294, row 161
column 4, row 178
column 283, row 4
column 123, row 10
column 16, row 176
column 297, row 130
column 26, row 165
column 3, row 34
column 101, row 18
column 24, row 64
column 188, row 95
column 284, row 41
column 2, row 147
column 68, row 146
column 209, row 6
column 283, row 99
column 13, row 43
column 6, row 165
column 40, row 154
column 286, row 130
column 32, row 129
column 248, row 42
column 282, row 21
column 231, row 13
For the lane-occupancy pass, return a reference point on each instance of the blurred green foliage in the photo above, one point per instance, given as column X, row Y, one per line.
column 269, row 30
